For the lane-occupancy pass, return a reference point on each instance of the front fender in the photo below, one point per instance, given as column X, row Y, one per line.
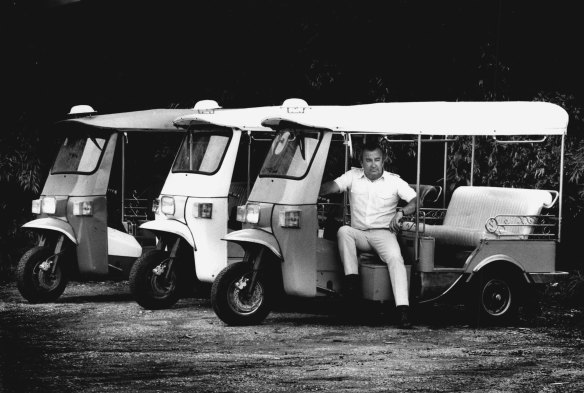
column 256, row 236
column 171, row 226
column 53, row 224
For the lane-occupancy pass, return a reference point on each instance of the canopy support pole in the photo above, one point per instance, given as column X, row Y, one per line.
column 418, row 172
column 445, row 169
column 472, row 159
column 561, row 189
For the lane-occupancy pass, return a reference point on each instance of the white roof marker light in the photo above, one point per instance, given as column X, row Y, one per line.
column 295, row 105
column 206, row 106
column 81, row 110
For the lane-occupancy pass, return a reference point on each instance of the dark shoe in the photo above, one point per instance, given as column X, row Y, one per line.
column 352, row 286
column 403, row 313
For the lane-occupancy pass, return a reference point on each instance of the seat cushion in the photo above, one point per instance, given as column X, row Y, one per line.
column 471, row 207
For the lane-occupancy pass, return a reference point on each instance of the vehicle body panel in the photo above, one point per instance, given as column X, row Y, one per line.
column 91, row 232
column 532, row 256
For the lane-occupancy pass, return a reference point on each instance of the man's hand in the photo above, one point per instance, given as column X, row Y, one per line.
column 395, row 224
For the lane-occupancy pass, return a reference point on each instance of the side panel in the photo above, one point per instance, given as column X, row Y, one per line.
column 330, row 271
column 298, row 251
column 91, row 234
column 121, row 244
column 537, row 256
column 211, row 253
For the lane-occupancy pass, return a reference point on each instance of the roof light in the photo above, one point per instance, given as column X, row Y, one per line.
column 295, row 105
column 206, row 106
column 81, row 110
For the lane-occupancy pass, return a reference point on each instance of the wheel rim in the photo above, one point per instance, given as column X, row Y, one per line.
column 496, row 297
column 160, row 286
column 239, row 298
column 46, row 280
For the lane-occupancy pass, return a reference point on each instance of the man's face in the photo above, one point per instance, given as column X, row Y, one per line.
column 372, row 163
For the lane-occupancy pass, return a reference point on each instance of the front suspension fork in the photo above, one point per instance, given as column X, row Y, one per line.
column 51, row 262
column 173, row 254
column 257, row 259
column 160, row 269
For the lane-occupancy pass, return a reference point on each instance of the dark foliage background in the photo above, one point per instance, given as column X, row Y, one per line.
column 129, row 55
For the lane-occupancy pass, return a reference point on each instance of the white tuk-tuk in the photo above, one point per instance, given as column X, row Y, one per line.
column 88, row 214
column 486, row 247
column 212, row 174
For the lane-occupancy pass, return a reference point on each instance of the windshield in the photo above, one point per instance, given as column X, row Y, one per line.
column 291, row 154
column 202, row 152
column 79, row 154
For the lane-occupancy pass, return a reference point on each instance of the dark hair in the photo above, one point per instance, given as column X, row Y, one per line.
column 372, row 145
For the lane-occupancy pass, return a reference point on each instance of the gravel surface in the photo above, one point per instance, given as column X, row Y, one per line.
column 95, row 338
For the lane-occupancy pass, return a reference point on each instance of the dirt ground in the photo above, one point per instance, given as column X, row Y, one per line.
column 95, row 338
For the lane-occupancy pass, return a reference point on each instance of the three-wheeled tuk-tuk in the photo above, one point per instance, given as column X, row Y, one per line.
column 212, row 174
column 486, row 246
column 90, row 209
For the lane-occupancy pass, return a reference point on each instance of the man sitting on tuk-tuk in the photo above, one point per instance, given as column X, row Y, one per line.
column 374, row 196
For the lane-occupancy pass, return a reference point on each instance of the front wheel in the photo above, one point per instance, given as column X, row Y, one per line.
column 232, row 299
column 151, row 284
column 494, row 298
column 38, row 279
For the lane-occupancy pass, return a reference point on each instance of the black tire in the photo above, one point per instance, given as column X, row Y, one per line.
column 494, row 298
column 152, row 291
column 35, row 284
column 230, row 300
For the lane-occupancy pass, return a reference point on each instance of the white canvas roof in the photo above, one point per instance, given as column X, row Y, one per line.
column 434, row 118
column 249, row 119
column 147, row 120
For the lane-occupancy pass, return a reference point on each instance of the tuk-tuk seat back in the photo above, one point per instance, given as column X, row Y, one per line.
column 471, row 207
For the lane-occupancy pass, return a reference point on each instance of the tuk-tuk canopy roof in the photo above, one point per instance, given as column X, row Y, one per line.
column 434, row 118
column 158, row 120
column 248, row 119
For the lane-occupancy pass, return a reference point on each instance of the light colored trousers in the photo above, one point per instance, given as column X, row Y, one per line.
column 385, row 244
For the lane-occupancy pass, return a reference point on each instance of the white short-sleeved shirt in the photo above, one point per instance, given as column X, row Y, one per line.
column 373, row 203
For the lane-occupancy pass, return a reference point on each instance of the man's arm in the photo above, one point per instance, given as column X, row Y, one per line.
column 330, row 187
column 408, row 209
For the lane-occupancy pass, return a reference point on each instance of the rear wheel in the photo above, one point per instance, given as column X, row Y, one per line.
column 151, row 284
column 494, row 297
column 37, row 278
column 232, row 299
